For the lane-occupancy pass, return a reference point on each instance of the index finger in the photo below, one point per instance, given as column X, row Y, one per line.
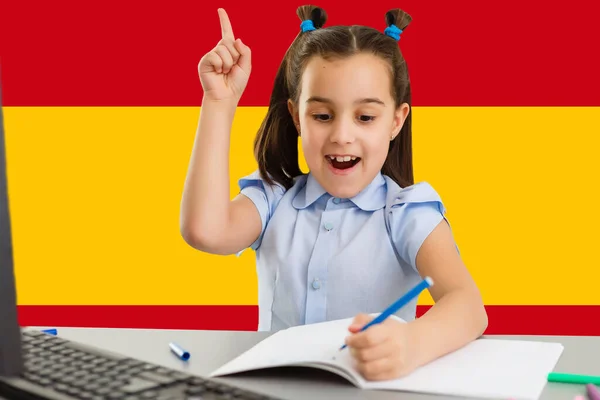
column 371, row 337
column 226, row 29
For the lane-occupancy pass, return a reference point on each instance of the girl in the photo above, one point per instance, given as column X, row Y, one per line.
column 351, row 236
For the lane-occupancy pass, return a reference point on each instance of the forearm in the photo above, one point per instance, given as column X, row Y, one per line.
column 206, row 196
column 455, row 320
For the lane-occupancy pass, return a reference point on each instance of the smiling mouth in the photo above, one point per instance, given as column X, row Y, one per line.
column 342, row 162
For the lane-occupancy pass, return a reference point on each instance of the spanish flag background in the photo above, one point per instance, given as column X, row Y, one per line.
column 102, row 100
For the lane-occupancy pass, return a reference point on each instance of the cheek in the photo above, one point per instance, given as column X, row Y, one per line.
column 379, row 141
column 313, row 137
column 378, row 149
column 311, row 145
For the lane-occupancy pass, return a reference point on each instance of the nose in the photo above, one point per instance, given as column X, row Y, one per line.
column 342, row 131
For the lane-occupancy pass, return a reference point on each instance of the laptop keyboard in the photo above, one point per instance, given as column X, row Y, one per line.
column 60, row 369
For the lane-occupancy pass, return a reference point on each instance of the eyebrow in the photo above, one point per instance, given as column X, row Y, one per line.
column 318, row 99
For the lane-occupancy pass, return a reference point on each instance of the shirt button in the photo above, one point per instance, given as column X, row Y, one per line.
column 316, row 284
column 328, row 226
column 337, row 201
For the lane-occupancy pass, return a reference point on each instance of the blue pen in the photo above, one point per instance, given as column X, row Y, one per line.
column 398, row 304
column 181, row 353
column 50, row 331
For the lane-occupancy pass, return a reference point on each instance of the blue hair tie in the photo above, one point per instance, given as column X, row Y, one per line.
column 307, row 25
column 393, row 31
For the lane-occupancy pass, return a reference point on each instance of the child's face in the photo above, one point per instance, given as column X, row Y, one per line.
column 346, row 117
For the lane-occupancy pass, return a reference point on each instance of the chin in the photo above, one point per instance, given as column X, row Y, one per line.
column 342, row 184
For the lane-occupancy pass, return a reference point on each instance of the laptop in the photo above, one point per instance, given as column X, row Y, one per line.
column 11, row 360
column 36, row 365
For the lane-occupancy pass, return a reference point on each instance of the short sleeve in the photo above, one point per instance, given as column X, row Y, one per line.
column 413, row 214
column 264, row 196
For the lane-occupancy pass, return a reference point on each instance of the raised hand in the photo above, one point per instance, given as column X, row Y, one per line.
column 224, row 71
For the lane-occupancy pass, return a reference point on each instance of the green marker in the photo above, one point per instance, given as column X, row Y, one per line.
column 573, row 378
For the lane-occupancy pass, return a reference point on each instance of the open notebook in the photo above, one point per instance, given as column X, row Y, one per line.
column 485, row 368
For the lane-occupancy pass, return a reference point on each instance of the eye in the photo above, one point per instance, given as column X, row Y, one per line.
column 366, row 118
column 322, row 117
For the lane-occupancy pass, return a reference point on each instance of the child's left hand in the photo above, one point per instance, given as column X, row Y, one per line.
column 382, row 352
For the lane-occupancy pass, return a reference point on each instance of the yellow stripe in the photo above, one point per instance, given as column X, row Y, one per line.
column 95, row 203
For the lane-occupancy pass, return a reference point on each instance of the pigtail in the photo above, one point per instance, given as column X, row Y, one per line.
column 276, row 142
column 315, row 14
column 276, row 157
column 396, row 21
column 398, row 17
column 398, row 164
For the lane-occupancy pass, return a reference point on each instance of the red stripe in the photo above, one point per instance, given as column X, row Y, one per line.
column 141, row 53
column 142, row 317
column 506, row 320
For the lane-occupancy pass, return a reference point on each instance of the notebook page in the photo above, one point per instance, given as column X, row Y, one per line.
column 301, row 344
column 485, row 368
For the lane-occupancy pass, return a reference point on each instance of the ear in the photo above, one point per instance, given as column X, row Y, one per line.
column 294, row 113
column 399, row 117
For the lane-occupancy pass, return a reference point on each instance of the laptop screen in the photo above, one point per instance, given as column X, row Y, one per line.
column 11, row 362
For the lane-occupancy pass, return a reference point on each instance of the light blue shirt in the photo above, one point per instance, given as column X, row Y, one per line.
column 321, row 258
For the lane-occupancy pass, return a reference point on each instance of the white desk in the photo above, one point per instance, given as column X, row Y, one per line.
column 211, row 349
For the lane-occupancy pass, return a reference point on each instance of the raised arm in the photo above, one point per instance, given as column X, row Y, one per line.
column 209, row 220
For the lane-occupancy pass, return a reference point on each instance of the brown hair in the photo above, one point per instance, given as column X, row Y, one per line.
column 276, row 143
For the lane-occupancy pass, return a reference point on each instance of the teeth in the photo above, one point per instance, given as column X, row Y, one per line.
column 342, row 159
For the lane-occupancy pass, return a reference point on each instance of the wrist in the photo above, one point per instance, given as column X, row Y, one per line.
column 230, row 102
column 219, row 109
column 418, row 349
